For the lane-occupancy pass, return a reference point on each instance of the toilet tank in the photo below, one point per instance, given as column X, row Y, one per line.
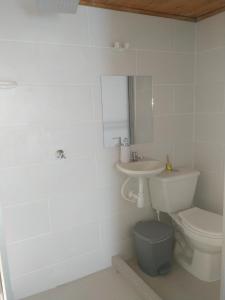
column 172, row 191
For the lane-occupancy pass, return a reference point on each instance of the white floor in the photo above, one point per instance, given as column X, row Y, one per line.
column 179, row 285
column 104, row 285
column 111, row 285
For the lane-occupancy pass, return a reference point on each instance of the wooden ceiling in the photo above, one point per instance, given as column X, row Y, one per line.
column 190, row 10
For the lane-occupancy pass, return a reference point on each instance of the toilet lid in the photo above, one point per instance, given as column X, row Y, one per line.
column 206, row 223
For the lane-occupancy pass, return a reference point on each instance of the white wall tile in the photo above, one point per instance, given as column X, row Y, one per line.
column 71, row 210
column 121, row 231
column 210, row 127
column 19, row 61
column 27, row 145
column 173, row 128
column 38, row 144
column 105, row 61
column 97, row 101
column 184, row 99
column 114, row 231
column 110, row 201
column 78, row 267
column 33, row 283
column 135, row 215
column 209, row 156
column 7, row 150
column 210, row 97
column 56, row 65
column 31, row 104
column 77, row 141
column 210, row 66
column 182, row 128
column 163, row 99
column 184, row 36
column 162, row 129
column 46, row 63
column 107, row 26
column 24, row 184
column 76, row 241
column 183, row 154
column 166, row 67
column 46, row 181
column 30, row 255
column 123, row 248
column 211, row 32
column 209, row 194
column 106, row 173
column 71, row 175
column 26, row 220
column 22, row 21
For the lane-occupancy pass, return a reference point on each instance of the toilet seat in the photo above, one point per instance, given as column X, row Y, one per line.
column 202, row 222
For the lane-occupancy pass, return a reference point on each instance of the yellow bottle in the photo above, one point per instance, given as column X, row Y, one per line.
column 169, row 166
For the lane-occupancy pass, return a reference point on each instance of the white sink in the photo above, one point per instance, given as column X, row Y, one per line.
column 140, row 170
column 143, row 168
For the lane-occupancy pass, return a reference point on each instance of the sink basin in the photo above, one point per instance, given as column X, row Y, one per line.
column 142, row 168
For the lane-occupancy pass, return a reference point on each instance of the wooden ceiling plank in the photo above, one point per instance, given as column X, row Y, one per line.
column 211, row 13
column 138, row 11
column 188, row 10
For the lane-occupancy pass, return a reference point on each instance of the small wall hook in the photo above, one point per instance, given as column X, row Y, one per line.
column 60, row 154
column 116, row 45
column 121, row 46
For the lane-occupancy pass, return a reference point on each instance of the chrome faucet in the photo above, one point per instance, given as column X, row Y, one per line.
column 135, row 156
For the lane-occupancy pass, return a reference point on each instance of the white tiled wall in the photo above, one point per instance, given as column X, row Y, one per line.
column 209, row 112
column 65, row 219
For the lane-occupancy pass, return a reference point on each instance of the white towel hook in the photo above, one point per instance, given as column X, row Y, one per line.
column 8, row 84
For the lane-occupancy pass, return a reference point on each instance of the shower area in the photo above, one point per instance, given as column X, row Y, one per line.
column 60, row 193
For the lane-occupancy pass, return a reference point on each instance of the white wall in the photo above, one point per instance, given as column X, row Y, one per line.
column 209, row 112
column 65, row 219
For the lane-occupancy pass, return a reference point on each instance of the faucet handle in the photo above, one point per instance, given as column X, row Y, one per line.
column 134, row 156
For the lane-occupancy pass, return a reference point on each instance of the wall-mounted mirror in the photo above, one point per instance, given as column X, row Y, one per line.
column 127, row 109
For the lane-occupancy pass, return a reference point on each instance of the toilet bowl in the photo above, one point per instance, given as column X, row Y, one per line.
column 199, row 241
column 198, row 232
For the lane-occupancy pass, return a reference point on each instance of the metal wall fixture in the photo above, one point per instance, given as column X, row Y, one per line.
column 121, row 46
column 60, row 154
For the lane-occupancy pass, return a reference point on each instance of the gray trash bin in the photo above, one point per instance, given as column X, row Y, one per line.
column 154, row 247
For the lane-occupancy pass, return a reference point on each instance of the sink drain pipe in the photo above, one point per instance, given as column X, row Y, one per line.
column 132, row 196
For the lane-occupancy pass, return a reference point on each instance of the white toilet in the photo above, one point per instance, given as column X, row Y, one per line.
column 199, row 233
